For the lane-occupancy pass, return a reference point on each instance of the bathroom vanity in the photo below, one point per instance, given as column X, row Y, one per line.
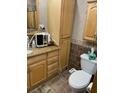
column 42, row 64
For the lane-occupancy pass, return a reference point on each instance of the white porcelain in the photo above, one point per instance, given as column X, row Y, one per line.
column 90, row 66
column 29, row 51
column 80, row 79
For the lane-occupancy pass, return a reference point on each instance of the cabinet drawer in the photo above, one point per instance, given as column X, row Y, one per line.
column 52, row 67
column 53, row 53
column 50, row 73
column 52, row 60
column 31, row 60
column 36, row 65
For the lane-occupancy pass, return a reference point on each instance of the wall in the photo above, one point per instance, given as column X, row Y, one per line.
column 76, row 51
column 79, row 21
column 78, row 45
column 43, row 12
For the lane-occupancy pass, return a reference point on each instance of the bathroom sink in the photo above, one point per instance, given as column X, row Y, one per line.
column 29, row 51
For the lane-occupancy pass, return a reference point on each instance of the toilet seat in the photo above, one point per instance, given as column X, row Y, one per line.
column 79, row 79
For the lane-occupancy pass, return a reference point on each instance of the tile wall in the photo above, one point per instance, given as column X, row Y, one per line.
column 75, row 52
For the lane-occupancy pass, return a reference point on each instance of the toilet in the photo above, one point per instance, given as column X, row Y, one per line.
column 80, row 79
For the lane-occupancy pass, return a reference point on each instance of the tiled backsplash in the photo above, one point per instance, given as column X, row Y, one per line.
column 75, row 52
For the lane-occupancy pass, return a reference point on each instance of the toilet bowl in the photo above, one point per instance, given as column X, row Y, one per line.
column 80, row 79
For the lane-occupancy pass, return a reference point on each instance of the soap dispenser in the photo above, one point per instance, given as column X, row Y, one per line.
column 92, row 55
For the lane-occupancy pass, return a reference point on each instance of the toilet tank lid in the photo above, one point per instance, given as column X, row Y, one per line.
column 86, row 57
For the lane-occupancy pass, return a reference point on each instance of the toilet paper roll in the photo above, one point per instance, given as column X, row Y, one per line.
column 89, row 87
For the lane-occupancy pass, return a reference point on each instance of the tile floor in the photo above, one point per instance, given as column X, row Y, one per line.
column 58, row 84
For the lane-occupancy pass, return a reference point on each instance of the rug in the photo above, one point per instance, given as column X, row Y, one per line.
column 43, row 89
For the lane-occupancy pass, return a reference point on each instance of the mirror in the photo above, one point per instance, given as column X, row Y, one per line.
column 32, row 15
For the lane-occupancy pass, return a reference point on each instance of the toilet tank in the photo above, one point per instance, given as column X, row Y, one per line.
column 89, row 66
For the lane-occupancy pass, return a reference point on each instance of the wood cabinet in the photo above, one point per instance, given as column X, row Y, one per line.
column 60, row 21
column 41, row 67
column 37, row 72
column 52, row 69
column 91, row 22
column 54, row 14
column 60, row 18
column 32, row 14
column 53, row 63
column 37, row 69
column 64, row 52
column 67, row 12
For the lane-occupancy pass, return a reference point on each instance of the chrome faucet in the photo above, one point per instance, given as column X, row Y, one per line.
column 29, row 42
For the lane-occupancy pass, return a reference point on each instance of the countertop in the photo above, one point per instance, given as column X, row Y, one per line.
column 38, row 51
column 32, row 33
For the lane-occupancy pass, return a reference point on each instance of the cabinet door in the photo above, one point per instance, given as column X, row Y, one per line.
column 32, row 14
column 54, row 14
column 64, row 52
column 30, row 20
column 37, row 72
column 67, row 17
column 91, row 22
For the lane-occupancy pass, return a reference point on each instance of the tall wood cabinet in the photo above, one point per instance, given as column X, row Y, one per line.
column 64, row 52
column 67, row 12
column 91, row 21
column 60, row 21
